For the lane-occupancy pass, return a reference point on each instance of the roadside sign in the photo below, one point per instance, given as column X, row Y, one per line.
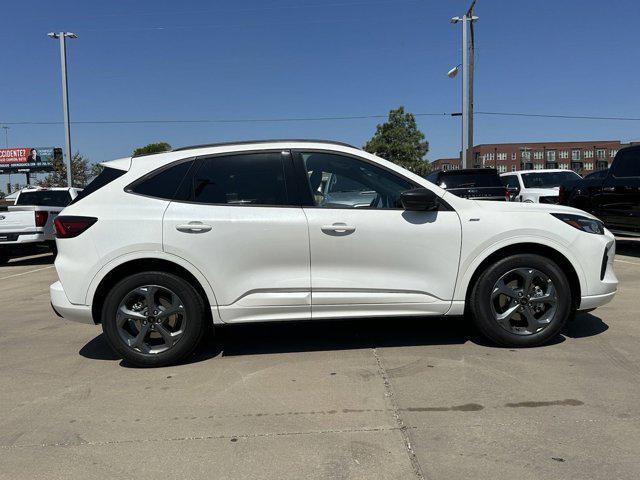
column 28, row 159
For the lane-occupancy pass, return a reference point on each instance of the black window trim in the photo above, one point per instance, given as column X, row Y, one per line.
column 197, row 161
column 303, row 182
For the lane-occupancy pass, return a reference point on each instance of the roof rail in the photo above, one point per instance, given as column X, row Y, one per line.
column 248, row 142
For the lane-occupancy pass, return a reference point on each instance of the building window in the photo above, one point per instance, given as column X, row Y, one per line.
column 502, row 156
column 513, row 167
column 502, row 168
column 538, row 155
column 537, row 166
column 551, row 155
column 564, row 154
column 600, row 153
column 612, row 153
column 588, row 154
column 564, row 166
column 490, row 156
column 514, row 156
column 588, row 166
column 526, row 155
column 575, row 155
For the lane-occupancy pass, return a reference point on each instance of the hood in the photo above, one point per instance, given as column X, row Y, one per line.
column 523, row 208
column 542, row 192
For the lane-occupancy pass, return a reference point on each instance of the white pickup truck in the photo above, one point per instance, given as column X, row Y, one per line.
column 27, row 226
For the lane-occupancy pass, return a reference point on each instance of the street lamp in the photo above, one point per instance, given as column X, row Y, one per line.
column 65, row 97
column 467, row 72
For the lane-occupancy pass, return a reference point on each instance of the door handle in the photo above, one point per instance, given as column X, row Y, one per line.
column 608, row 189
column 338, row 228
column 193, row 227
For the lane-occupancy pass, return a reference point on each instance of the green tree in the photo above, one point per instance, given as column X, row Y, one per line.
column 96, row 169
column 80, row 168
column 399, row 141
column 152, row 148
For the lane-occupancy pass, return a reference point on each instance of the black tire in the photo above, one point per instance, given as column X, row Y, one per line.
column 194, row 313
column 4, row 257
column 483, row 308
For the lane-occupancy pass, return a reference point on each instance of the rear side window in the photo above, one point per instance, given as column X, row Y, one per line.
column 627, row 163
column 244, row 179
column 510, row 181
column 50, row 198
column 162, row 183
column 105, row 177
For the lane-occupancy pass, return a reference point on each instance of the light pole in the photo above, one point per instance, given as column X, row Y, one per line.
column 65, row 97
column 6, row 145
column 467, row 84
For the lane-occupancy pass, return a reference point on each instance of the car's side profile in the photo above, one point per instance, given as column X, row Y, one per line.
column 160, row 245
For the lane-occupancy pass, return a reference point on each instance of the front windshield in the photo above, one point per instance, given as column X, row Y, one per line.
column 547, row 179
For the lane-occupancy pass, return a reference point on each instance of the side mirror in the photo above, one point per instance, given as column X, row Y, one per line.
column 420, row 200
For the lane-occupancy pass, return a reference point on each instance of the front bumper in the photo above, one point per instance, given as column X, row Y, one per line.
column 67, row 310
column 603, row 283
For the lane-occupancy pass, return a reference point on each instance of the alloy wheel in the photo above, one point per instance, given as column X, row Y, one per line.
column 524, row 301
column 151, row 319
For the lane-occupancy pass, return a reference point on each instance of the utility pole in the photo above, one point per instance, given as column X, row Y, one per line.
column 65, row 97
column 467, row 83
column 6, row 145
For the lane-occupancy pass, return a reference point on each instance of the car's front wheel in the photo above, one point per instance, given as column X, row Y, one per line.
column 521, row 301
column 153, row 319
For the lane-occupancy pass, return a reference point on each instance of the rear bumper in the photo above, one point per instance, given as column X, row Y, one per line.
column 67, row 310
column 21, row 238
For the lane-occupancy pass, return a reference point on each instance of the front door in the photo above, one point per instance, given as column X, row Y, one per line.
column 369, row 257
column 235, row 220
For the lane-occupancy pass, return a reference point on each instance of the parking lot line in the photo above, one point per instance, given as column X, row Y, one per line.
column 24, row 273
column 625, row 261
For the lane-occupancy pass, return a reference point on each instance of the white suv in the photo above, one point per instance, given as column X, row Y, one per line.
column 537, row 186
column 156, row 247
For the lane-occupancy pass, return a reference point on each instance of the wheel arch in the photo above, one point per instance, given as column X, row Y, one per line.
column 101, row 286
column 529, row 248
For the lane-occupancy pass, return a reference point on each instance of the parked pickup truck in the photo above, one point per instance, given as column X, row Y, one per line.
column 27, row 226
column 613, row 195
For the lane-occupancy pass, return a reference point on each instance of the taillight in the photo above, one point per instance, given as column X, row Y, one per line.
column 41, row 218
column 68, row 226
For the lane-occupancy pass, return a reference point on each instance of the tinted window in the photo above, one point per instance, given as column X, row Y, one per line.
column 627, row 164
column 247, row 179
column 107, row 175
column 164, row 183
column 338, row 181
column 471, row 179
column 51, row 198
column 597, row 175
column 547, row 179
column 510, row 181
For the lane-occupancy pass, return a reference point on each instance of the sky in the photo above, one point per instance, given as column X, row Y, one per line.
column 282, row 59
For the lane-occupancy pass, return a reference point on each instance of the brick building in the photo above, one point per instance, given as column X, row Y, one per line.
column 446, row 164
column 582, row 157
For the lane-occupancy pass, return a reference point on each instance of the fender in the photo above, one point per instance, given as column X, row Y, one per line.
column 138, row 255
column 473, row 259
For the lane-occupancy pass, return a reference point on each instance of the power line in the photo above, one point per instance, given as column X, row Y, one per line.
column 315, row 119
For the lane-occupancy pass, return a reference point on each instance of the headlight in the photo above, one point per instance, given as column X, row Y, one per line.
column 585, row 224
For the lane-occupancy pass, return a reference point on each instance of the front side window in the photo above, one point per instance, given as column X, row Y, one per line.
column 338, row 181
column 243, row 179
column 627, row 164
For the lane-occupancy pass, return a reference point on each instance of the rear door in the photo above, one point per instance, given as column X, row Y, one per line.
column 237, row 219
column 374, row 258
column 619, row 201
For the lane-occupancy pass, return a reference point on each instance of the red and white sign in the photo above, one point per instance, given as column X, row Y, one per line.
column 14, row 155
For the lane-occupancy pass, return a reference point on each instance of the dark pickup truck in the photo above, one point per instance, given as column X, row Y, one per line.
column 612, row 195
column 472, row 183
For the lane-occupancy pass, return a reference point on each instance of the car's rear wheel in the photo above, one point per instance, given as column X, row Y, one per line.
column 521, row 301
column 153, row 319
